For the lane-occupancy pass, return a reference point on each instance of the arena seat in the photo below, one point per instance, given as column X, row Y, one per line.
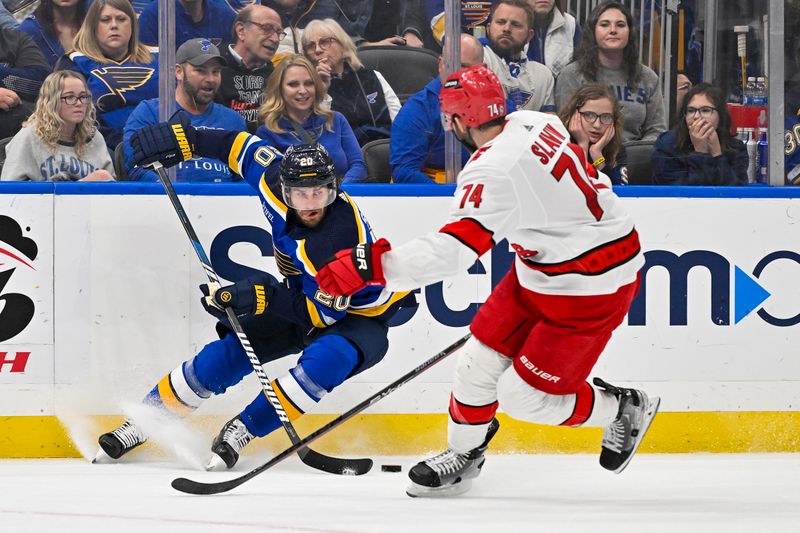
column 376, row 157
column 407, row 69
column 640, row 166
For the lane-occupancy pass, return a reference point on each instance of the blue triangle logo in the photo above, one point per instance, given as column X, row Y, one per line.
column 749, row 294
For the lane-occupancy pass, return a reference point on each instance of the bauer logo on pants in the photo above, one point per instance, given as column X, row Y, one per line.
column 16, row 252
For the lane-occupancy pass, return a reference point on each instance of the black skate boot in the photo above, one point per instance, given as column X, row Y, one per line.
column 622, row 437
column 450, row 473
column 117, row 443
column 226, row 447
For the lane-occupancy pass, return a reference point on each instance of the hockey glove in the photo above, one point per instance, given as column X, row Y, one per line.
column 351, row 270
column 169, row 143
column 247, row 297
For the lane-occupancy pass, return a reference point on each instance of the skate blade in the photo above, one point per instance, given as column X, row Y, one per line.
column 102, row 458
column 652, row 408
column 215, row 464
column 455, row 489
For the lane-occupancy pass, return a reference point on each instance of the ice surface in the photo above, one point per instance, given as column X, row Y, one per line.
column 519, row 493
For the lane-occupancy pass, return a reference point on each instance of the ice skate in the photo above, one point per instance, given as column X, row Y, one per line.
column 226, row 447
column 622, row 437
column 450, row 473
column 117, row 443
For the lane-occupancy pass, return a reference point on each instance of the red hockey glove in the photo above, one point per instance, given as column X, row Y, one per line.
column 351, row 270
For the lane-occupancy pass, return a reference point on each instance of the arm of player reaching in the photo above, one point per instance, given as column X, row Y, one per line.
column 483, row 214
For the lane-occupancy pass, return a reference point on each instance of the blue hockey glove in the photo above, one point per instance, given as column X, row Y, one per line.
column 166, row 142
column 246, row 297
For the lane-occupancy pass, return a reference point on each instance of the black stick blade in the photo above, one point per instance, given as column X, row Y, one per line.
column 335, row 465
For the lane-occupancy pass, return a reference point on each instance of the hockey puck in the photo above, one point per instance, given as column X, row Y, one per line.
column 391, row 468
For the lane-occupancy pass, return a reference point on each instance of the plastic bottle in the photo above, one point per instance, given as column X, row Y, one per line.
column 763, row 159
column 760, row 92
column 752, row 155
column 749, row 91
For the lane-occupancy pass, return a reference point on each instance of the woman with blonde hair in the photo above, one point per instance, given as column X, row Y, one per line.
column 594, row 120
column 59, row 142
column 292, row 113
column 362, row 95
column 120, row 70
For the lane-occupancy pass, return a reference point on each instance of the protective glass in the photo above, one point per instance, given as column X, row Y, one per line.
column 447, row 121
column 309, row 198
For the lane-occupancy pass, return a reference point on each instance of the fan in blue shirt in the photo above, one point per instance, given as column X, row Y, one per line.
column 199, row 75
column 212, row 19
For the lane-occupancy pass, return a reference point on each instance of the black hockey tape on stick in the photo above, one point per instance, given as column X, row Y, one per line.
column 195, row 487
column 333, row 465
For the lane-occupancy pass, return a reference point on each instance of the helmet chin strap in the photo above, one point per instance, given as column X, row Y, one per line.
column 464, row 136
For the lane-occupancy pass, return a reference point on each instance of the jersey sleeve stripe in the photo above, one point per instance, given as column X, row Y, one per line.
column 273, row 200
column 362, row 233
column 236, row 150
column 596, row 261
column 471, row 233
column 379, row 309
column 301, row 251
column 317, row 319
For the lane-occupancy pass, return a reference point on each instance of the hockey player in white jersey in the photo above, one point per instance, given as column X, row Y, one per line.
column 542, row 329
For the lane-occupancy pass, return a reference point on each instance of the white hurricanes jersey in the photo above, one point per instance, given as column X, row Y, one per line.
column 529, row 185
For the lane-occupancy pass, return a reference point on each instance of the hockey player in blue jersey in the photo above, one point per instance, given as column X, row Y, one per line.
column 310, row 220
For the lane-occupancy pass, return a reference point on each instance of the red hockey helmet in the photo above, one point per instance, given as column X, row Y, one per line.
column 474, row 94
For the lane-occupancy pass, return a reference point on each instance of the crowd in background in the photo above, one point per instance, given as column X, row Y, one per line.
column 78, row 77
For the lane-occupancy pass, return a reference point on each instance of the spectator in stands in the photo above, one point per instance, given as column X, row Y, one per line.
column 292, row 114
column 417, row 141
column 22, row 70
column 474, row 15
column 210, row 19
column 396, row 18
column 360, row 94
column 257, row 32
column 120, row 70
column 609, row 54
column 527, row 83
column 198, row 71
column 54, row 25
column 699, row 150
column 354, row 16
column 556, row 35
column 59, row 142
column 594, row 120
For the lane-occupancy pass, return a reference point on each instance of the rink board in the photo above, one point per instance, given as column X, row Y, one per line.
column 114, row 283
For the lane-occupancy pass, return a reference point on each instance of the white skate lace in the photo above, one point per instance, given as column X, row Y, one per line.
column 236, row 435
column 447, row 462
column 129, row 435
column 614, row 436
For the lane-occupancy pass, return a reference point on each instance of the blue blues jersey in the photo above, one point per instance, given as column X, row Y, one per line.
column 300, row 250
column 117, row 88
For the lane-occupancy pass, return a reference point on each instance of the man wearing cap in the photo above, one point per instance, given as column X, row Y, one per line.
column 198, row 71
column 257, row 32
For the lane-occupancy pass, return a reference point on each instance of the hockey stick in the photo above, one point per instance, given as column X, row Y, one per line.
column 195, row 487
column 333, row 465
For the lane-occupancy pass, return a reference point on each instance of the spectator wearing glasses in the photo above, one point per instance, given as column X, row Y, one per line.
column 292, row 113
column 594, row 120
column 362, row 95
column 256, row 32
column 59, row 142
column 210, row 19
column 609, row 53
column 699, row 150
column 54, row 25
